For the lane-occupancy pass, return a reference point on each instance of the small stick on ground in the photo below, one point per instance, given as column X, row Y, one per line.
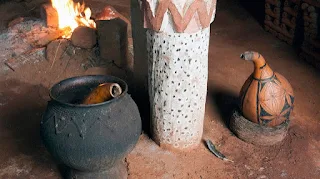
column 9, row 66
column 213, row 150
column 55, row 54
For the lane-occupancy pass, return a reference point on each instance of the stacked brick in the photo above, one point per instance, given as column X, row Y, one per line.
column 272, row 16
column 290, row 21
column 296, row 22
column 284, row 21
column 310, row 48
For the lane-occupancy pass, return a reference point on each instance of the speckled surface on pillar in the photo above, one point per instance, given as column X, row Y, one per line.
column 178, row 73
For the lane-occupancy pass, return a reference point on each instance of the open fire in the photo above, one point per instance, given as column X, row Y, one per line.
column 32, row 39
column 71, row 15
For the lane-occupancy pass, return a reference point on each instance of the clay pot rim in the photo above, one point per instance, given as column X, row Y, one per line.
column 121, row 82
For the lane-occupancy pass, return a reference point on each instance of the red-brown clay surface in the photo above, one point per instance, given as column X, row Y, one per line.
column 23, row 96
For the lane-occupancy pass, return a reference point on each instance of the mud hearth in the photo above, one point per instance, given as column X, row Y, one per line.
column 30, row 40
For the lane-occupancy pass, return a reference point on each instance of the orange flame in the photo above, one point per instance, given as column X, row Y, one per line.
column 72, row 15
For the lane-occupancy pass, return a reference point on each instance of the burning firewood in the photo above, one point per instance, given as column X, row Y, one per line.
column 67, row 16
column 51, row 36
column 49, row 15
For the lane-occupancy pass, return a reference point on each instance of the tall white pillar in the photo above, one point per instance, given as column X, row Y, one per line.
column 178, row 33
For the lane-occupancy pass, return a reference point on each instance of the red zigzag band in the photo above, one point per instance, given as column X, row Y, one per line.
column 180, row 23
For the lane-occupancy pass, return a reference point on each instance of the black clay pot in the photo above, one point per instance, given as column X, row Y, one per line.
column 92, row 140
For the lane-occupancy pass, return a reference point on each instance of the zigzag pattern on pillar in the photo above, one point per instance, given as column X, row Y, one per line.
column 180, row 22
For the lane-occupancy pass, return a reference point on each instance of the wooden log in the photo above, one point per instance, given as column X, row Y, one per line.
column 49, row 15
column 51, row 36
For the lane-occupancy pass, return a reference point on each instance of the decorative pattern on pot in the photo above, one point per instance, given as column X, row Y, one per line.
column 266, row 103
column 266, row 97
column 178, row 69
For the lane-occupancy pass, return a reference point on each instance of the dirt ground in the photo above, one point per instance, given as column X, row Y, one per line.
column 24, row 95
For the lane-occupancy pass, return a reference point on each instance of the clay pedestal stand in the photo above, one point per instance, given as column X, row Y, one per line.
column 256, row 134
column 177, row 43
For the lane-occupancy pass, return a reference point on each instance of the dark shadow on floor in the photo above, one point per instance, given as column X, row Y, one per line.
column 225, row 102
column 255, row 8
column 21, row 112
column 142, row 100
column 140, row 94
